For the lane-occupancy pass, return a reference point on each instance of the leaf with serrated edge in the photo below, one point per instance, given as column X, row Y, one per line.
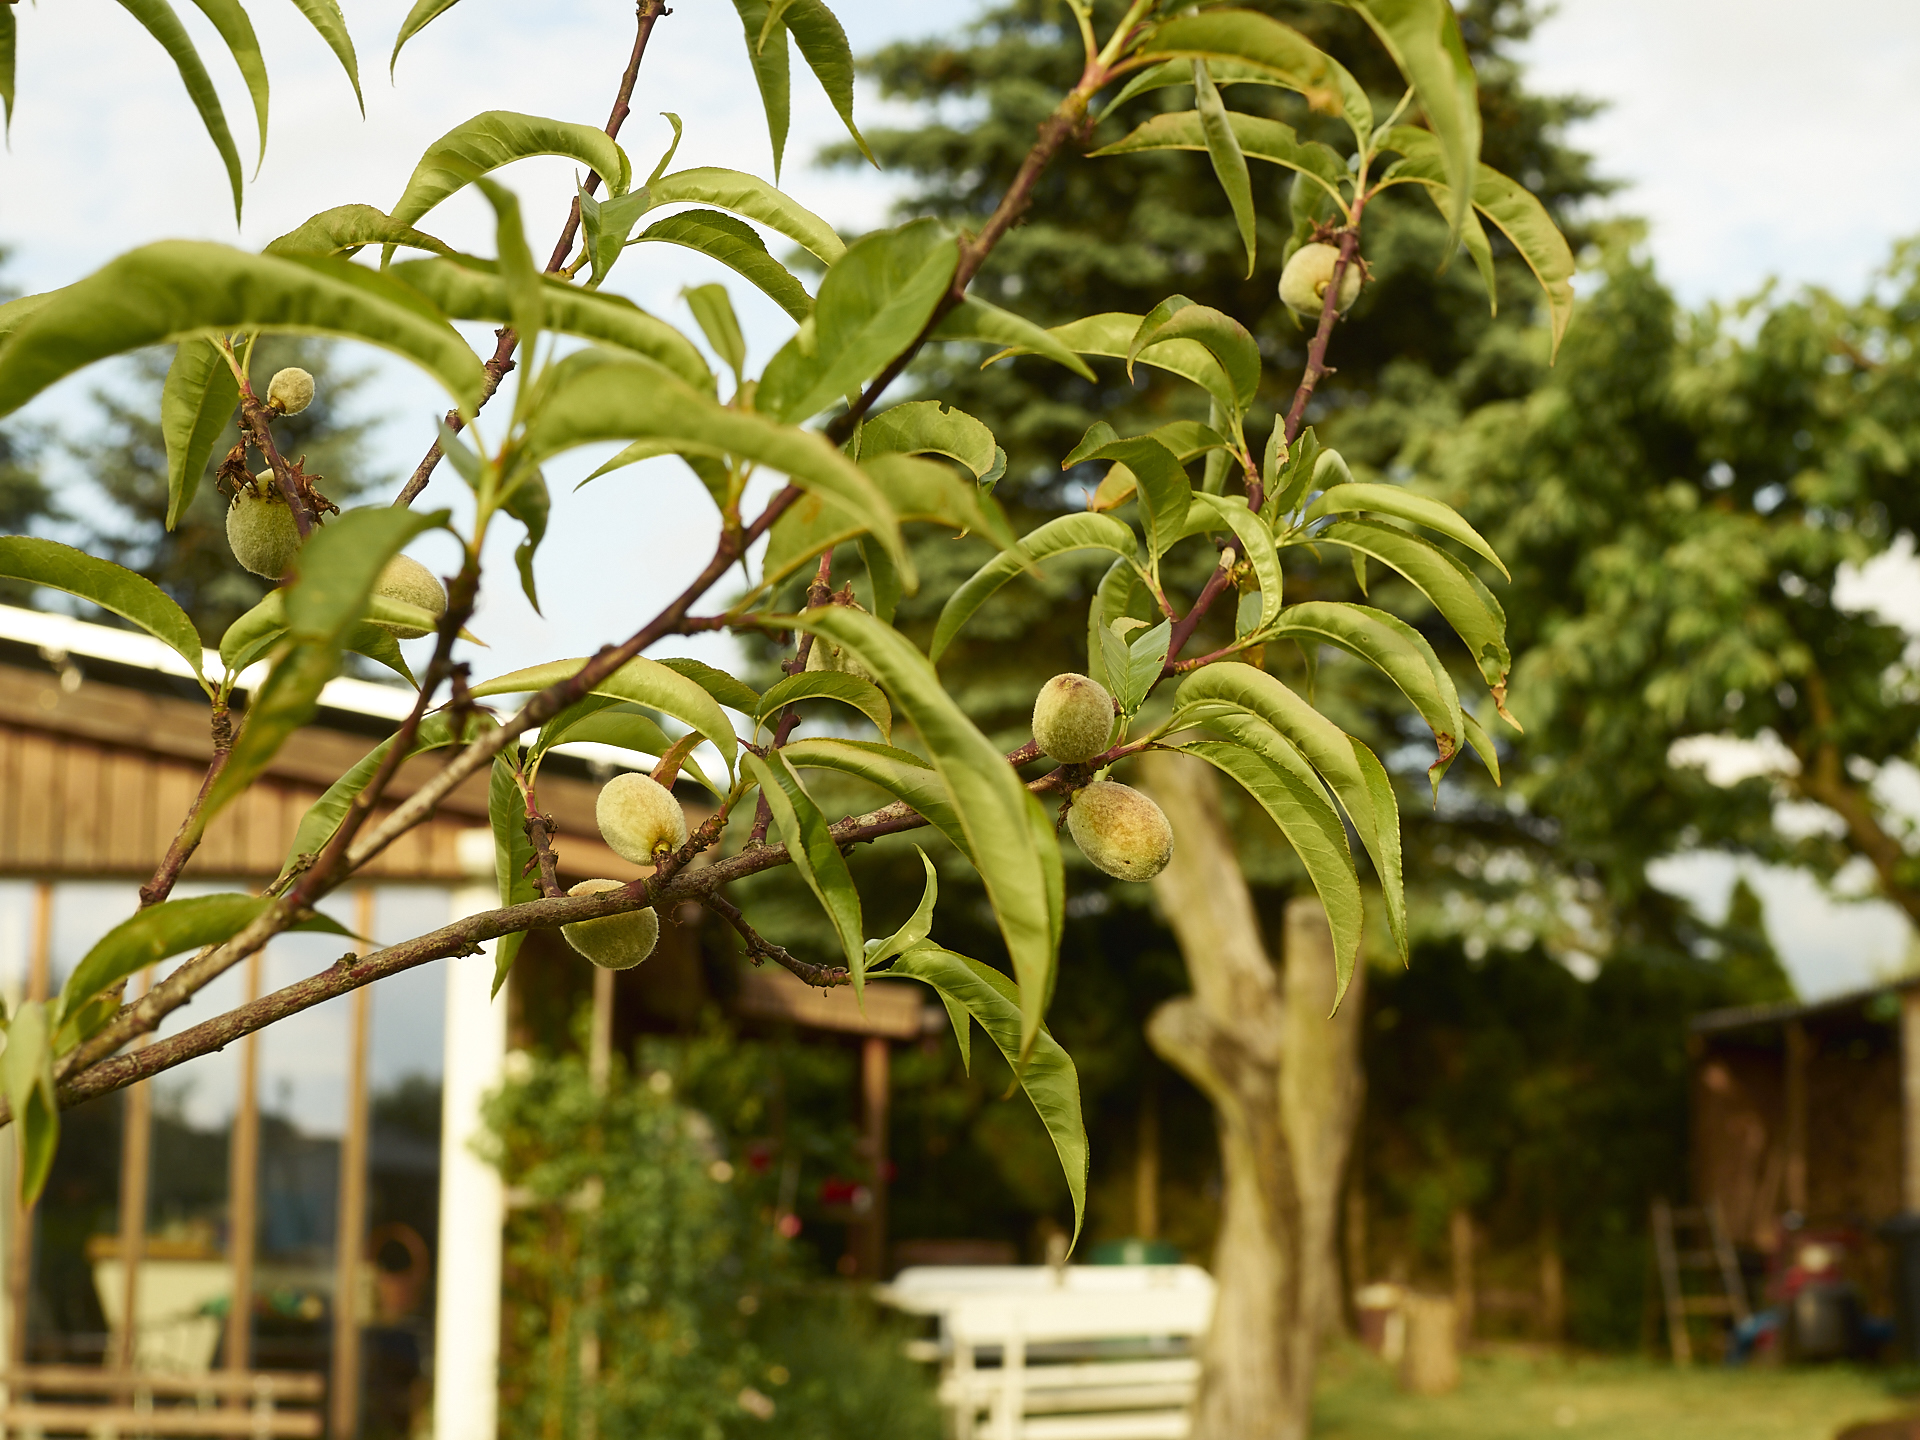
column 756, row 200
column 735, row 694
column 771, row 73
column 915, row 929
column 111, row 587
column 1012, row 842
column 975, row 319
column 810, row 845
column 418, row 17
column 902, row 774
column 735, row 244
column 1258, row 137
column 347, row 228
column 1394, row 647
column 1239, row 36
column 850, row 690
column 229, row 17
column 1056, row 537
column 1223, row 149
column 1112, row 333
column 164, row 25
column 927, row 427
column 499, row 137
column 1044, row 1069
column 325, row 17
column 823, row 45
column 1403, row 504
column 643, row 681
column 177, row 289
column 196, row 406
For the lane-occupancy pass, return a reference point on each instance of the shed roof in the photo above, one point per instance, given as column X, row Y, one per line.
column 1754, row 1017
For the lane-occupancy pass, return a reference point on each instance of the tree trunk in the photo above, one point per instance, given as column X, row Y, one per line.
column 1285, row 1129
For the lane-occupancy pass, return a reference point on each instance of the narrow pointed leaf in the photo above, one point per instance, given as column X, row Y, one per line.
column 810, row 844
column 499, row 137
column 1223, row 148
column 643, row 681
column 1044, row 1069
column 1403, row 504
column 1226, row 339
column 917, row 925
column 111, row 587
column 1056, row 537
column 1164, row 490
column 902, row 774
column 28, row 1067
column 1112, row 333
column 733, row 693
column 756, row 200
column 164, row 25
column 851, row 690
column 325, row 17
column 823, row 45
column 975, row 319
column 196, row 408
column 735, row 244
column 771, row 73
column 418, row 18
column 1256, row 544
column 345, row 228
column 1258, row 138
column 229, row 18
column 927, row 427
column 713, row 311
column 1264, row 44
column 1395, row 648
column 9, row 47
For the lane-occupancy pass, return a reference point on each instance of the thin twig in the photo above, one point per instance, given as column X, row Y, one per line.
column 819, row 593
column 1329, row 315
column 646, row 12
column 759, row 948
column 187, row 838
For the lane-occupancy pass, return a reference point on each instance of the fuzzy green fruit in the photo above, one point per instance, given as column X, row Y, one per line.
column 1072, row 718
column 1303, row 284
column 1120, row 830
column 260, row 529
column 408, row 581
column 824, row 656
column 290, row 391
column 613, row 942
column 640, row 819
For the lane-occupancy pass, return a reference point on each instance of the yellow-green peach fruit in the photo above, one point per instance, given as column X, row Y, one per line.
column 408, row 581
column 1072, row 718
column 824, row 655
column 640, row 819
column 1120, row 830
column 290, row 391
column 1303, row 284
column 613, row 942
column 260, row 529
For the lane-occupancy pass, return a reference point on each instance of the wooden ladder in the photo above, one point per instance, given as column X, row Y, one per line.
column 1711, row 1252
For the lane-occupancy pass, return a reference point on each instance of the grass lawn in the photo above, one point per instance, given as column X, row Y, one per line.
column 1607, row 1398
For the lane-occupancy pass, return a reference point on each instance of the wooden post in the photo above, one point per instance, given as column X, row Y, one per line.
column 136, row 1165
column 1910, row 1098
column 1553, row 1284
column 599, row 1075
column 20, row 1217
column 874, row 1062
column 1146, row 1163
column 1460, row 1232
column 243, row 1191
column 344, row 1388
column 1796, row 1126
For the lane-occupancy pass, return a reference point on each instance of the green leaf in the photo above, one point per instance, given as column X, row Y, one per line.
column 1225, row 37
column 1121, row 595
column 380, row 645
column 1454, row 590
column 9, row 41
column 1423, row 36
column 1112, row 334
column 1223, row 148
column 1392, row 646
column 1164, row 490
column 644, row 681
column 1513, row 208
column 1276, row 776
column 499, row 137
column 1223, row 337
column 325, row 16
column 161, row 23
column 851, row 690
column 771, row 73
column 111, row 587
column 345, row 228
column 624, row 400
column 529, row 503
column 336, row 570
column 1256, row 544
column 927, row 427
column 28, row 1065
column 1403, row 504
column 810, row 845
column 418, row 18
column 1011, row 840
column 465, row 288
column 916, row 490
column 179, row 289
column 713, row 311
column 229, row 18
column 917, row 924
column 1056, row 537
column 754, row 198
column 514, row 870
column 735, row 694
column 873, row 303
column 1146, row 658
column 323, row 817
column 823, row 45
column 255, row 632
column 902, row 774
column 1044, row 1069
column 1258, row 138
column 735, row 244
column 196, row 407
column 975, row 319
column 623, row 725
column 1483, row 746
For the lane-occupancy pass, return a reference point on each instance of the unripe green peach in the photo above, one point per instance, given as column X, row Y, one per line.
column 407, row 580
column 290, row 391
column 1120, row 830
column 613, row 942
column 1072, row 718
column 639, row 818
column 260, row 528
column 824, row 655
column 1303, row 284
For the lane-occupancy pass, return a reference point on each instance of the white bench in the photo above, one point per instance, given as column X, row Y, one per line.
column 1091, row 1352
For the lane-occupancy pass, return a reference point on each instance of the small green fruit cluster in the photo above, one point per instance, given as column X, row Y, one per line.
column 261, row 530
column 1304, row 281
column 407, row 580
column 639, row 818
column 1073, row 718
column 613, row 942
column 1120, row 830
column 290, row 391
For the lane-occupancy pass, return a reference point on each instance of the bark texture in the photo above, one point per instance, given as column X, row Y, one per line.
column 1285, row 1085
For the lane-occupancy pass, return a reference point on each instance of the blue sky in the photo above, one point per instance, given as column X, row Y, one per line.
column 1756, row 143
